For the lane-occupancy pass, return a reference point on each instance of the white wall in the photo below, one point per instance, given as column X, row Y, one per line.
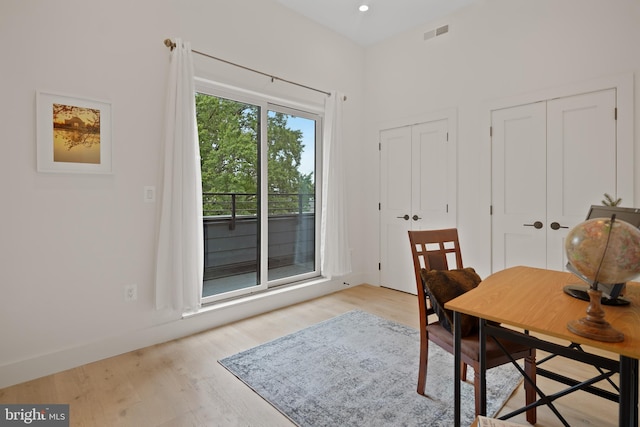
column 70, row 243
column 495, row 49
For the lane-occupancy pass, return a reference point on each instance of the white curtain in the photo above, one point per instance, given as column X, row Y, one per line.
column 180, row 253
column 334, row 239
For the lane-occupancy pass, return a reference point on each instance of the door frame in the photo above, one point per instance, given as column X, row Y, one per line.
column 623, row 83
column 450, row 114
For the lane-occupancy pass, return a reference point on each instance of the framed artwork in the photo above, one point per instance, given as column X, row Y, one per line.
column 73, row 134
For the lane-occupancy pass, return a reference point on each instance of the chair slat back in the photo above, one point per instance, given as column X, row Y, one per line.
column 436, row 249
column 433, row 250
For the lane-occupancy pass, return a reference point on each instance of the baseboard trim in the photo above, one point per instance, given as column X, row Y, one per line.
column 58, row 361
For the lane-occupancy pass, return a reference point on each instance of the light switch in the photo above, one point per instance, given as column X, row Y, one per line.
column 149, row 194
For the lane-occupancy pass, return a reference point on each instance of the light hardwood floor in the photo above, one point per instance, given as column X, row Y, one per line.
column 180, row 383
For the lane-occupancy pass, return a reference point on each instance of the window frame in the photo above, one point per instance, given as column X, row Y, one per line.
column 268, row 103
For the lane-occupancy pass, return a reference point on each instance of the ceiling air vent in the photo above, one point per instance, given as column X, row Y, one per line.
column 437, row 32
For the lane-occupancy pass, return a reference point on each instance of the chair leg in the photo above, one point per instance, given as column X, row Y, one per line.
column 529, row 389
column 463, row 371
column 422, row 367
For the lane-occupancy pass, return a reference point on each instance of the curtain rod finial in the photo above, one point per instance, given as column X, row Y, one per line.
column 168, row 43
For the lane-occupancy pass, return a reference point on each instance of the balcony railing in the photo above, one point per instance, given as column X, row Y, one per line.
column 235, row 205
column 231, row 232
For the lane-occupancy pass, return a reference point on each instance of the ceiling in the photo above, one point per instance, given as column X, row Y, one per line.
column 384, row 19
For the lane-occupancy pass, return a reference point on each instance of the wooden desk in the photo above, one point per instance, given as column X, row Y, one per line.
column 532, row 299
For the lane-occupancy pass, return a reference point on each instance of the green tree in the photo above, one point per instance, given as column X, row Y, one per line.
column 229, row 145
column 227, row 131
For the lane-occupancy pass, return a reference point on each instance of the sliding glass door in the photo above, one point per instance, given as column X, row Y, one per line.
column 260, row 194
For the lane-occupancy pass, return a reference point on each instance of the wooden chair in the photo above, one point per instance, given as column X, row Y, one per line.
column 437, row 250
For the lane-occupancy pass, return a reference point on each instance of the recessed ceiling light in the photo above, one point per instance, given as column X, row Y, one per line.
column 363, row 8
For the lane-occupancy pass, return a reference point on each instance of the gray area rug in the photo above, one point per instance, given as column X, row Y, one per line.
column 358, row 369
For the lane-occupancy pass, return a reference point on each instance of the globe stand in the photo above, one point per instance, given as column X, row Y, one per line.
column 594, row 326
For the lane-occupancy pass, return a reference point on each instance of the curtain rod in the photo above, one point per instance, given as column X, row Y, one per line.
column 171, row 45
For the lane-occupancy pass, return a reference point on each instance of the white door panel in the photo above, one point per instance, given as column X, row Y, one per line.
column 433, row 166
column 550, row 161
column 395, row 203
column 518, row 186
column 418, row 173
column 518, row 249
column 397, row 174
column 581, row 163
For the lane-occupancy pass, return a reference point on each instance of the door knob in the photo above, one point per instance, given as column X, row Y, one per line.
column 416, row 217
column 537, row 225
column 555, row 226
column 405, row 217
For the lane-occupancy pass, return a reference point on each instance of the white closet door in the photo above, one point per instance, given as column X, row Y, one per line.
column 581, row 163
column 418, row 183
column 519, row 186
column 395, row 209
column 434, row 176
column 550, row 161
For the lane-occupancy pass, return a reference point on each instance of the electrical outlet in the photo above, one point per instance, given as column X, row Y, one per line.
column 131, row 292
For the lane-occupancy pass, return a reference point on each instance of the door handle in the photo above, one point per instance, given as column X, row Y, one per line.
column 416, row 217
column 405, row 217
column 555, row 226
column 537, row 225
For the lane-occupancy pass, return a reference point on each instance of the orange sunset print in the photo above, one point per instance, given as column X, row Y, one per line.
column 76, row 134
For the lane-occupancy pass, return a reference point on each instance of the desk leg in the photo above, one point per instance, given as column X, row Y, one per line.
column 457, row 358
column 482, row 375
column 628, row 392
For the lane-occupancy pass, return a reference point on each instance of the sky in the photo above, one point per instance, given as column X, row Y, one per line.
column 307, row 127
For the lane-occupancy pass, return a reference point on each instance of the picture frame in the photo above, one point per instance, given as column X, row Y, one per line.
column 73, row 134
